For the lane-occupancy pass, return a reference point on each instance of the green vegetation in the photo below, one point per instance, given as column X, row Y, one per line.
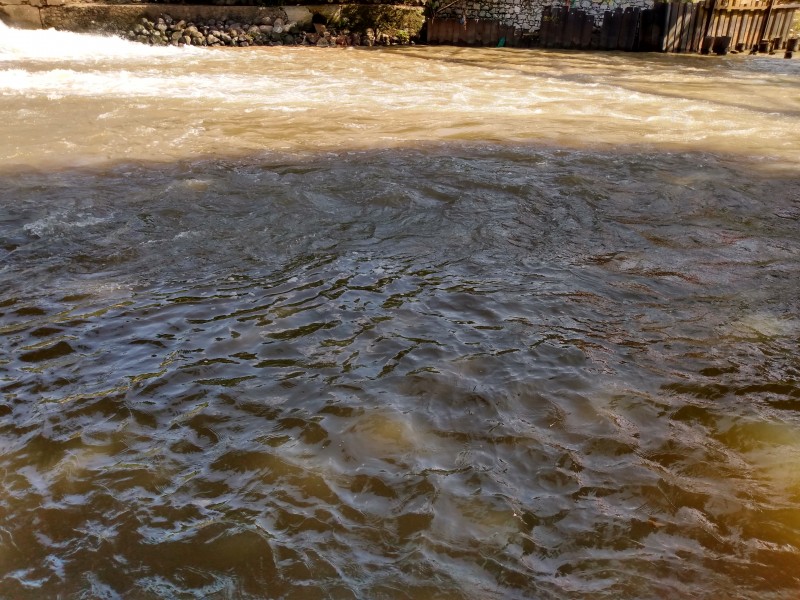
column 392, row 20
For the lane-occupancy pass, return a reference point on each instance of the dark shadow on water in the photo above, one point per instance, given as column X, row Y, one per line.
column 440, row 371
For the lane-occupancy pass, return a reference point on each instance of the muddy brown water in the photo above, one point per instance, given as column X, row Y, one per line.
column 403, row 323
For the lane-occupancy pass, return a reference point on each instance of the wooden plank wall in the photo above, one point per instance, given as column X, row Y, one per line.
column 668, row 27
column 471, row 32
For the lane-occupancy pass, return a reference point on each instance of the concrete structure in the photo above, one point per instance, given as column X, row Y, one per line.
column 93, row 16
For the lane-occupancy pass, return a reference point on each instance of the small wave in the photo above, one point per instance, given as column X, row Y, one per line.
column 54, row 224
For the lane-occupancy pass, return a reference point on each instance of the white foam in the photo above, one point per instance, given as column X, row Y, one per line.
column 52, row 45
column 61, row 222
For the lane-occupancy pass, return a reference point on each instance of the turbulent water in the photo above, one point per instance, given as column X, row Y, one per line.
column 408, row 323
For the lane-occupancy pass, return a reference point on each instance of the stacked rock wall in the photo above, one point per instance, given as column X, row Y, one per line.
column 526, row 15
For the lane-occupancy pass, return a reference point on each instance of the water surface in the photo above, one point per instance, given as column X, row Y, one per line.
column 401, row 323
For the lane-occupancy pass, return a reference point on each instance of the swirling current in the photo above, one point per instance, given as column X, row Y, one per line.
column 406, row 362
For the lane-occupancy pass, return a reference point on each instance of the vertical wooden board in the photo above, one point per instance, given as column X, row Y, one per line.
column 544, row 26
column 502, row 34
column 744, row 26
column 472, row 29
column 439, row 29
column 727, row 23
column 712, row 30
column 694, row 28
column 747, row 27
column 665, row 27
column 481, row 29
column 789, row 21
column 455, row 30
column 565, row 33
column 672, row 25
column 790, row 16
column 586, row 33
column 566, row 29
column 679, row 23
column 616, row 27
column 577, row 36
column 605, row 28
column 477, row 33
column 780, row 18
column 555, row 27
column 757, row 32
column 769, row 34
column 657, row 31
column 645, row 29
column 674, row 13
column 665, row 31
column 482, row 32
column 685, row 26
column 758, row 22
column 691, row 28
column 552, row 28
column 733, row 27
column 700, row 24
column 577, row 31
column 495, row 33
column 781, row 29
column 548, row 40
column 691, row 45
column 630, row 23
column 511, row 36
column 558, row 28
column 569, row 25
column 461, row 33
column 770, row 24
column 724, row 23
column 736, row 27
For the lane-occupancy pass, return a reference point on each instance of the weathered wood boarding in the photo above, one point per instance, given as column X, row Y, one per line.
column 667, row 27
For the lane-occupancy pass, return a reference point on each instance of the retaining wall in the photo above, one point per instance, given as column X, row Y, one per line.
column 526, row 15
column 91, row 16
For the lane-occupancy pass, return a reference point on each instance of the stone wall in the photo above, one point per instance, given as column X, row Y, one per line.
column 527, row 14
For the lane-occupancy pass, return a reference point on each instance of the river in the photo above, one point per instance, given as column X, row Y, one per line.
column 399, row 323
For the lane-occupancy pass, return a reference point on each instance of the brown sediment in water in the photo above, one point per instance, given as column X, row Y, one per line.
column 481, row 330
